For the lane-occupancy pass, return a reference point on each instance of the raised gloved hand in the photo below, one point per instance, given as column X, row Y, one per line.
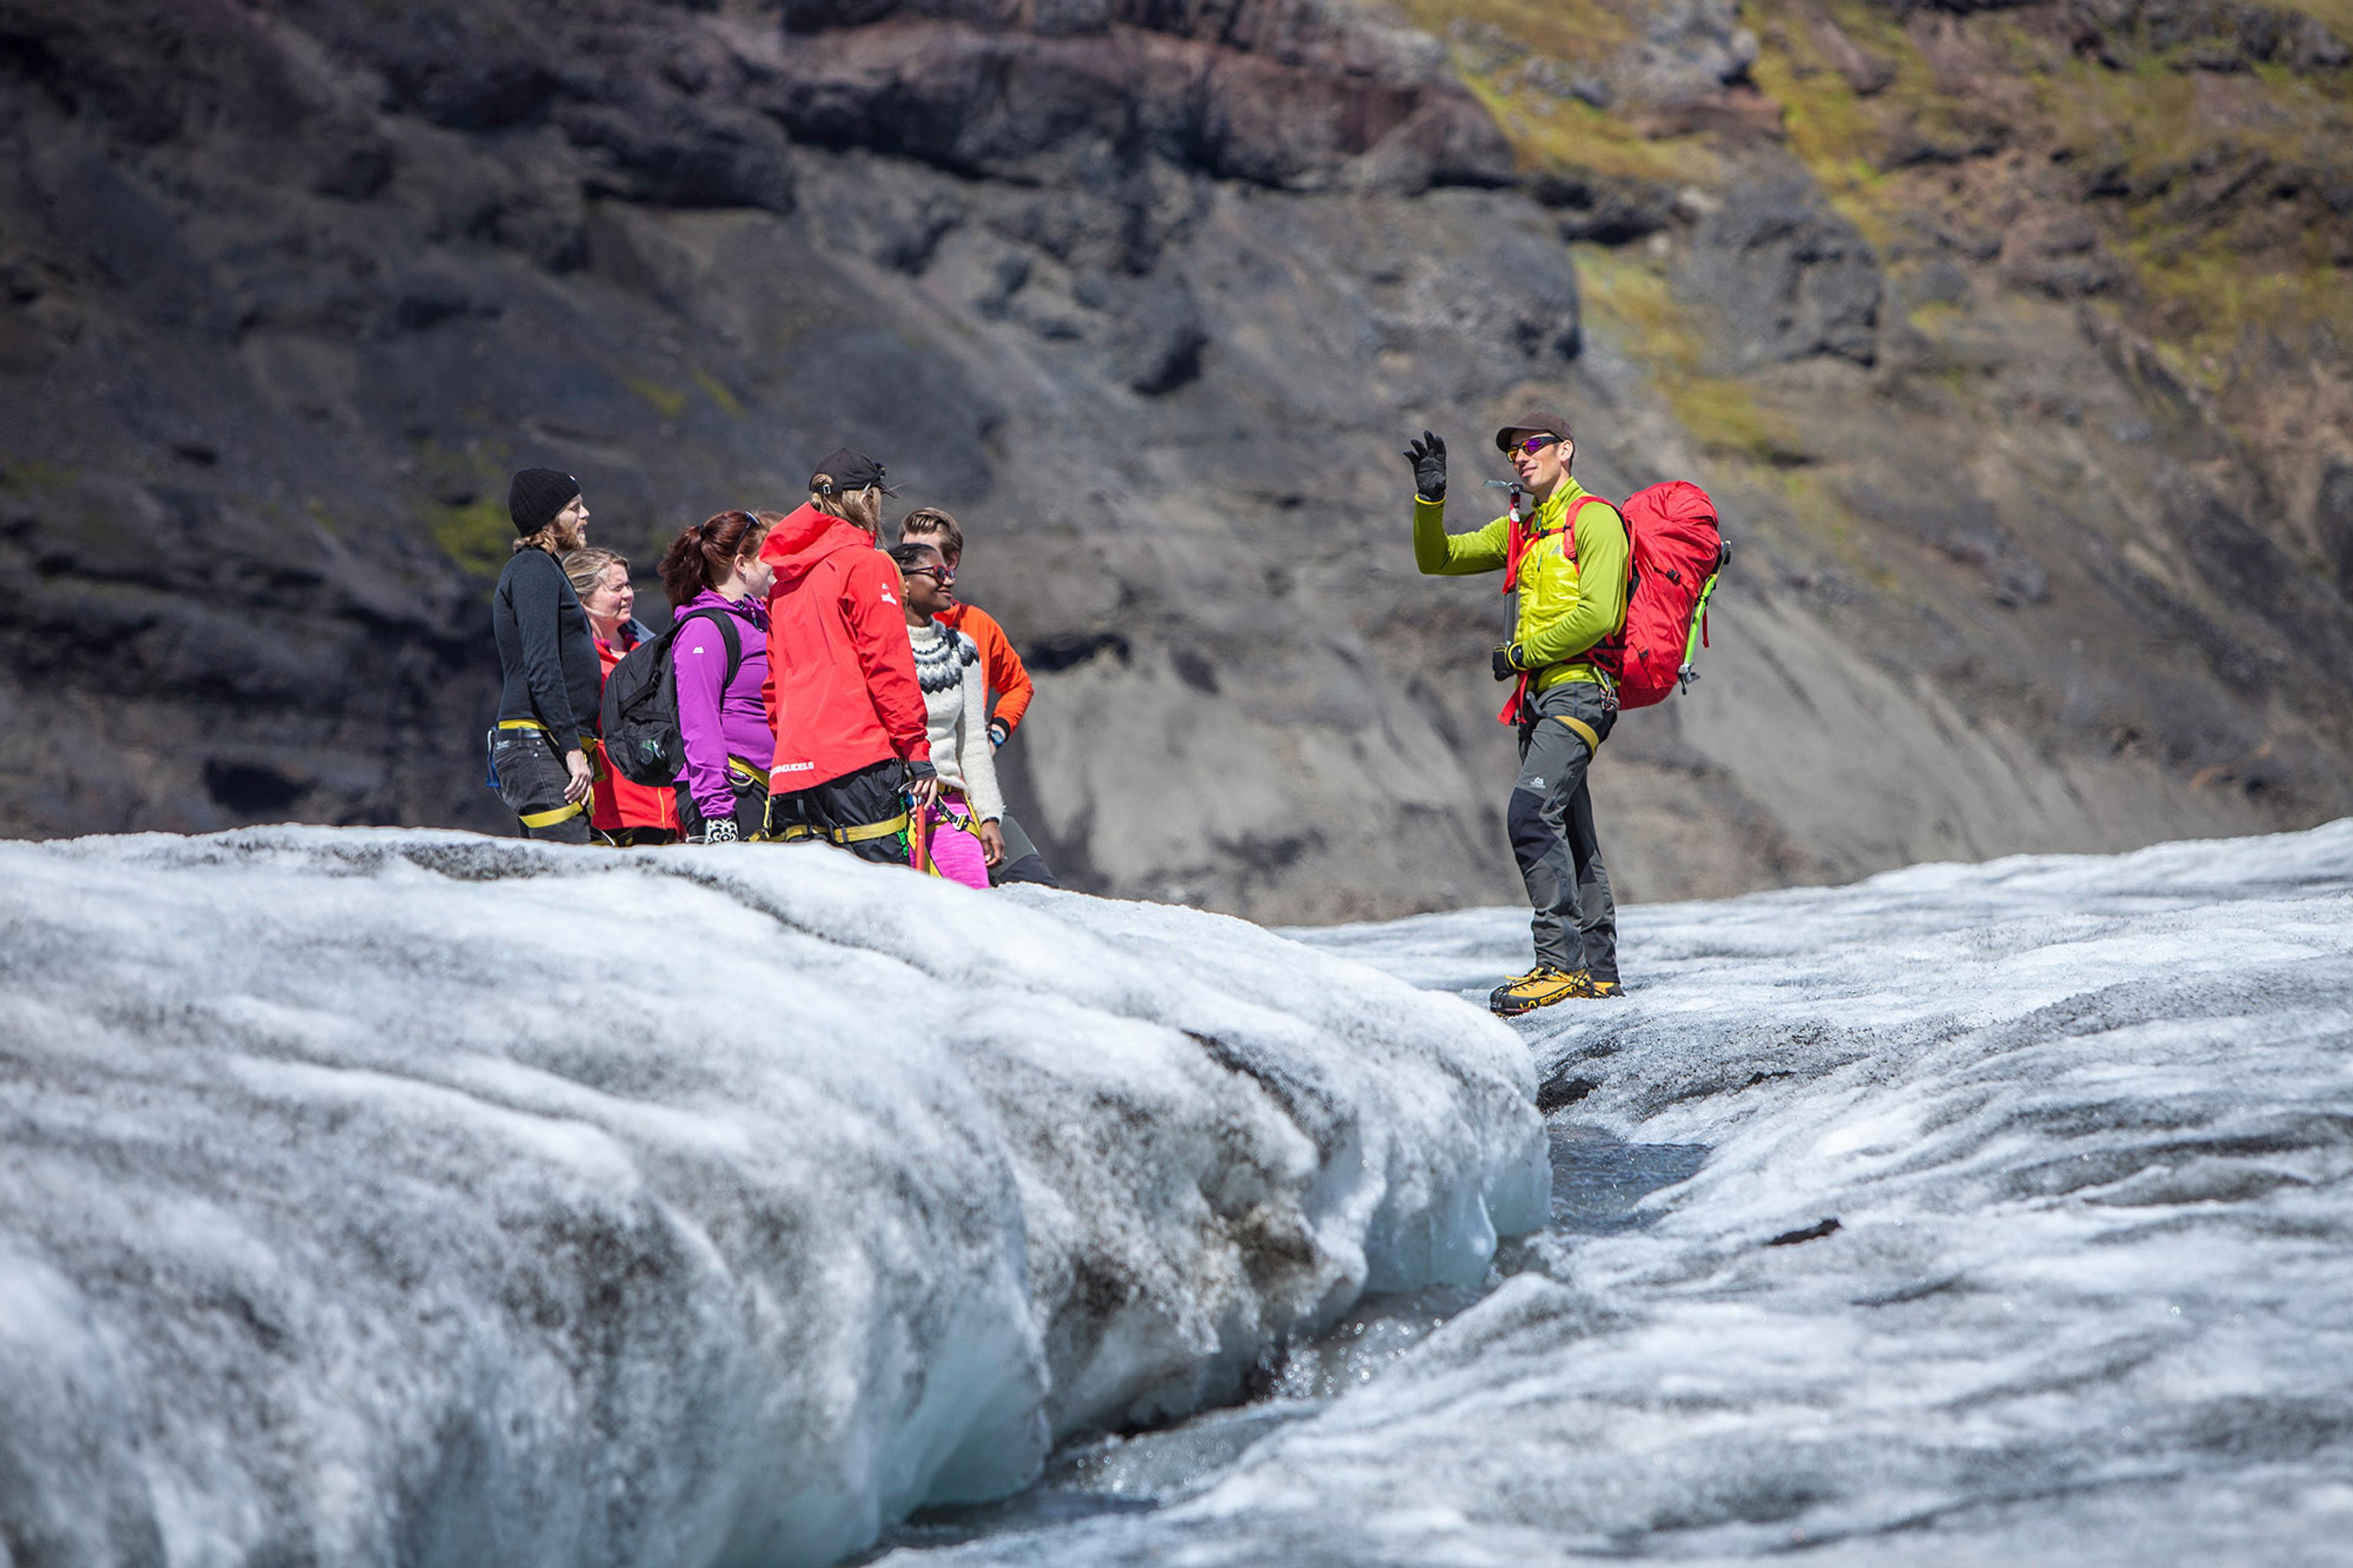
column 1508, row 661
column 1427, row 457
column 721, row 832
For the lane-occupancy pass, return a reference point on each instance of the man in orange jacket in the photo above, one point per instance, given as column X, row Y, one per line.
column 1008, row 680
column 851, row 745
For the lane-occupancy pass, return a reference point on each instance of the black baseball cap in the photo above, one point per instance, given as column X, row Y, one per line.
column 842, row 471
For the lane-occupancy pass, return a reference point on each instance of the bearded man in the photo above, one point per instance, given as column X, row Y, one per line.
column 548, row 709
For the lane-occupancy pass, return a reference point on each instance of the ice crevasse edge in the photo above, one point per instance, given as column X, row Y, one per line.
column 373, row 1194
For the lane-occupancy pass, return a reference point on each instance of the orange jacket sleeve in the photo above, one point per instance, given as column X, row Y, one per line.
column 1008, row 676
column 878, row 633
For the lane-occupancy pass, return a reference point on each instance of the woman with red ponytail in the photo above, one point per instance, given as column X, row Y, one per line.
column 713, row 574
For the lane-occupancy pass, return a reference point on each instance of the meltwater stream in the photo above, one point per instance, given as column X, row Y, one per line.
column 1969, row 1214
column 1599, row 1183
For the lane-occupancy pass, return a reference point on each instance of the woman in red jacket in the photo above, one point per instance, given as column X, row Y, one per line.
column 852, row 749
column 620, row 812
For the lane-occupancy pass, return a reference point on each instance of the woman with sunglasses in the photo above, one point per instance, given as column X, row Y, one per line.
column 961, row 826
column 1566, row 552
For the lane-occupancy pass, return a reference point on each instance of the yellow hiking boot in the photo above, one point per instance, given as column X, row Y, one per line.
column 1545, row 984
column 1539, row 987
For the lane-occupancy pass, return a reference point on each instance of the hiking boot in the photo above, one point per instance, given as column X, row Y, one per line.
column 1539, row 987
column 1596, row 985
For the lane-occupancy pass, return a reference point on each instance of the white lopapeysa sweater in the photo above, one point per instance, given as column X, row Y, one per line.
column 947, row 666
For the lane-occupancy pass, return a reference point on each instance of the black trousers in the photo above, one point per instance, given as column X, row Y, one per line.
column 848, row 811
column 1551, row 823
column 531, row 779
column 750, row 811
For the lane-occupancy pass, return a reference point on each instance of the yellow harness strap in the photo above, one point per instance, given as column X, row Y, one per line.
column 1584, row 731
column 801, row 832
column 586, row 743
column 747, row 773
column 871, row 830
column 562, row 813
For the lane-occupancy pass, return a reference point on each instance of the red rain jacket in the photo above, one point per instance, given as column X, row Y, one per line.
column 840, row 692
column 617, row 802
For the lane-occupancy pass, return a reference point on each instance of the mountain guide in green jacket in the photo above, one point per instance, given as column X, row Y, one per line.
column 1565, row 552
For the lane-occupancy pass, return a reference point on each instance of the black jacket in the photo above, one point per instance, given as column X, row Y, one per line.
column 547, row 650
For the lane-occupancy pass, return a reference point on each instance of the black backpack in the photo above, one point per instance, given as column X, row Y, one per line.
column 640, row 706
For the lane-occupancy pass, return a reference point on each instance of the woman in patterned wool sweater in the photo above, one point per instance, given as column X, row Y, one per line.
column 962, row 826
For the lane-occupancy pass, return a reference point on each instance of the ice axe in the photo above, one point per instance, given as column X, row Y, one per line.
column 1518, row 541
column 1519, row 494
column 919, row 849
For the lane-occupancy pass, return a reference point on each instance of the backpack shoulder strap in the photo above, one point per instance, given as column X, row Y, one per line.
column 725, row 622
column 1569, row 525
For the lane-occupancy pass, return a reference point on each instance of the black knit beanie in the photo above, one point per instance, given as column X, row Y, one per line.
column 536, row 496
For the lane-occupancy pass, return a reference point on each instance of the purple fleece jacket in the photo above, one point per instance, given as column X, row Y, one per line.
column 715, row 724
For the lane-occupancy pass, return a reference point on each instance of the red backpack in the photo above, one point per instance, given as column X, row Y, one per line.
column 1675, row 552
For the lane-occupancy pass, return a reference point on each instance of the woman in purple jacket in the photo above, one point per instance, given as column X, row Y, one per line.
column 719, row 584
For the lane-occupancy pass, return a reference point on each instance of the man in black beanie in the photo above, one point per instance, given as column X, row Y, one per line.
column 539, row 754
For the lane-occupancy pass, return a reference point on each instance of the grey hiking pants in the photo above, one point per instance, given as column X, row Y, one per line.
column 1022, row 862
column 1551, row 822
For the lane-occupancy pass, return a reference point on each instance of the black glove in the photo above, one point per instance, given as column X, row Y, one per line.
column 1506, row 661
column 920, row 769
column 721, row 832
column 1427, row 457
column 997, row 733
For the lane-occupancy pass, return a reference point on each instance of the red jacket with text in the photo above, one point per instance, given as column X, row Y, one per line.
column 842, row 692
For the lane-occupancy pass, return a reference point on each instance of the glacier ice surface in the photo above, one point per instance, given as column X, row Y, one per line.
column 2086, row 1127
column 387, row 1196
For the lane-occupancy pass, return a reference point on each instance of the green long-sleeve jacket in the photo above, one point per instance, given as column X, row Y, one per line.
column 1566, row 606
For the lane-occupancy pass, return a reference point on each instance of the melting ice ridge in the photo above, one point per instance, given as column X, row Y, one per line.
column 2086, row 1126
column 378, row 1196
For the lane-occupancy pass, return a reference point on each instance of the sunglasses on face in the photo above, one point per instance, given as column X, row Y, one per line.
column 1536, row 444
column 939, row 575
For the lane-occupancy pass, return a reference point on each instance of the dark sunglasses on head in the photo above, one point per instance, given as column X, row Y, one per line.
column 1536, row 444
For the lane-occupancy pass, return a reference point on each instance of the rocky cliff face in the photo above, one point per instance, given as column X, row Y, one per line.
column 2013, row 344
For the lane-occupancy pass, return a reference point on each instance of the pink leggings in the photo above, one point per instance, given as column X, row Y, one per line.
column 956, row 854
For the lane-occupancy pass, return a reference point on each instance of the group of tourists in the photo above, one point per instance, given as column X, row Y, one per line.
column 831, row 689
column 825, row 688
